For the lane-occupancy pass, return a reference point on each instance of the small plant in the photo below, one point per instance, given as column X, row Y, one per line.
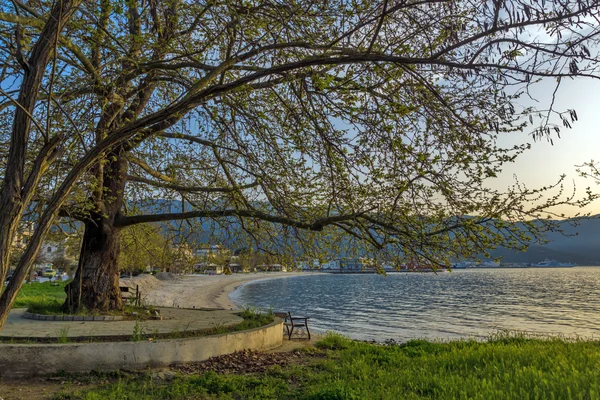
column 63, row 335
column 334, row 341
column 250, row 312
column 219, row 327
column 138, row 332
column 63, row 396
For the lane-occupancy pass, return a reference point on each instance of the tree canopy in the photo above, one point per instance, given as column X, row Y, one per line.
column 374, row 121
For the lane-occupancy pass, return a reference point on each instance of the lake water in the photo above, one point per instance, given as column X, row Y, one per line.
column 447, row 305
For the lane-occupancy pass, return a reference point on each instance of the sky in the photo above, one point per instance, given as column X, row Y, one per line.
column 544, row 163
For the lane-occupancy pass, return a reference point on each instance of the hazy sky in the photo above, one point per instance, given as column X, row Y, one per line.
column 544, row 163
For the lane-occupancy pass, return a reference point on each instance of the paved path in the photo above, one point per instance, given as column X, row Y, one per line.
column 174, row 320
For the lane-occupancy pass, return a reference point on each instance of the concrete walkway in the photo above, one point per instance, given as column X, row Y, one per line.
column 174, row 320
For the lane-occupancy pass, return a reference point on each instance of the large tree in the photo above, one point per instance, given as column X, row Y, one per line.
column 376, row 120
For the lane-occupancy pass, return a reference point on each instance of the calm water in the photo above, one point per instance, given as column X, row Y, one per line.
column 447, row 305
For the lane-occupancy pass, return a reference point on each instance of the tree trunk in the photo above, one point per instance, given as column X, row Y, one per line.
column 96, row 282
column 12, row 198
column 8, row 228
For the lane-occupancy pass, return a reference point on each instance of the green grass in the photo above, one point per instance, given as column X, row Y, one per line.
column 252, row 319
column 47, row 298
column 506, row 367
column 42, row 298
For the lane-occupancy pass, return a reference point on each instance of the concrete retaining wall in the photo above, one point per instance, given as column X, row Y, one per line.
column 22, row 360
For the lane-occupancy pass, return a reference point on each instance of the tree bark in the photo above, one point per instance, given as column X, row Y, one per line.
column 12, row 198
column 96, row 282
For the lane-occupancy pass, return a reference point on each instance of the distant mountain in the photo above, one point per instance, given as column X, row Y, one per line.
column 578, row 244
column 537, row 253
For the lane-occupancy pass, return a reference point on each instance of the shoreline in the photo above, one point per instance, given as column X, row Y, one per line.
column 205, row 291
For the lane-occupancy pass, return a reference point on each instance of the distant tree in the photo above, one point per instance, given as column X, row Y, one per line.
column 248, row 259
column 179, row 258
column 223, row 259
column 219, row 256
column 41, row 260
column 15, row 256
column 64, row 264
column 142, row 246
column 377, row 121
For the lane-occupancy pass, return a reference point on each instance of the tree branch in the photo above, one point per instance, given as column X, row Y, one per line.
column 317, row 225
column 189, row 189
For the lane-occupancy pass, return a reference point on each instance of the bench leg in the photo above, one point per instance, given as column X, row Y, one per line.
column 291, row 331
column 287, row 331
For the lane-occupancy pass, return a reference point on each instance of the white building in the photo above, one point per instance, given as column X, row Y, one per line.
column 344, row 265
column 51, row 251
column 306, row 265
column 212, row 251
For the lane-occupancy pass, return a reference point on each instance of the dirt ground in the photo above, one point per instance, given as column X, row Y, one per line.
column 38, row 388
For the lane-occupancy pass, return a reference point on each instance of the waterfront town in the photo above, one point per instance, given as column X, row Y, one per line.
column 56, row 260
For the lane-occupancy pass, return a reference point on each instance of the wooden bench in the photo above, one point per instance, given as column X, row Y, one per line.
column 297, row 323
column 132, row 295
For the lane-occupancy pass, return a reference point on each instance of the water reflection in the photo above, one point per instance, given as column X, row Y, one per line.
column 447, row 305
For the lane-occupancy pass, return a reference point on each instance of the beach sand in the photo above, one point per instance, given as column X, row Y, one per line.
column 203, row 291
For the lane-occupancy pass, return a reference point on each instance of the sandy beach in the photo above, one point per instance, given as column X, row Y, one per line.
column 203, row 291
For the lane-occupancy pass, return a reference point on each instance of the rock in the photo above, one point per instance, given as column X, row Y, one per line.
column 164, row 375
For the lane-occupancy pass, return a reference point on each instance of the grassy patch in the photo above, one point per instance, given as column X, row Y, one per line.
column 252, row 319
column 47, row 298
column 42, row 297
column 506, row 367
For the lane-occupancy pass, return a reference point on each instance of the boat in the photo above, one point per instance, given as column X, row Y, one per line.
column 414, row 266
column 553, row 263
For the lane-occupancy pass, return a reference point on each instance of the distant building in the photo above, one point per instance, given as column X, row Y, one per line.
column 212, row 251
column 236, row 268
column 271, row 268
column 307, row 265
column 52, row 251
column 209, row 268
column 212, row 259
column 331, row 265
column 346, row 265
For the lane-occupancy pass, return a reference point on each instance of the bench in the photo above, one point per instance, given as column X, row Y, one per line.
column 130, row 294
column 297, row 323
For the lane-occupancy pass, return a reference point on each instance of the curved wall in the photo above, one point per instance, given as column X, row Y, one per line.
column 21, row 360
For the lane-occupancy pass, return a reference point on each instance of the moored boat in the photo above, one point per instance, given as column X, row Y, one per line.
column 553, row 263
